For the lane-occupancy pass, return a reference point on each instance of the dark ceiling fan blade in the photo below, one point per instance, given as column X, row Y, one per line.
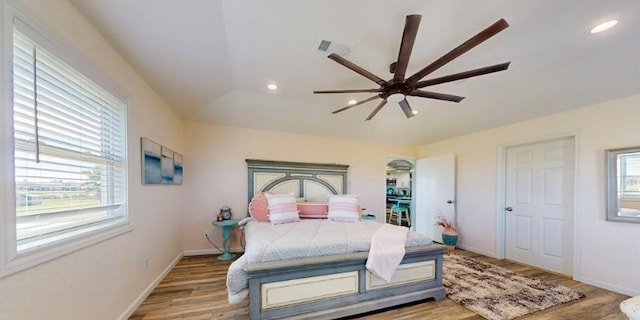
column 463, row 75
column 435, row 95
column 406, row 45
column 339, row 59
column 375, row 111
column 356, row 104
column 348, row 91
column 404, row 105
column 458, row 51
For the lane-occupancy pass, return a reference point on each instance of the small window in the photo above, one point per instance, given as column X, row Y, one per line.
column 629, row 175
column 69, row 150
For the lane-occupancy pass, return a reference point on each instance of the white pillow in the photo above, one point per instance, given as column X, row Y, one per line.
column 282, row 208
column 344, row 208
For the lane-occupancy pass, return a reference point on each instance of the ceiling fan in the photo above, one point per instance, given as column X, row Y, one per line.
column 399, row 87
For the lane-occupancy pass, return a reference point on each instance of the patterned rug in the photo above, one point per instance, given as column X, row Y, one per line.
column 497, row 293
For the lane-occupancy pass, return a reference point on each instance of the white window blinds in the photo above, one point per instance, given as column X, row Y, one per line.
column 69, row 149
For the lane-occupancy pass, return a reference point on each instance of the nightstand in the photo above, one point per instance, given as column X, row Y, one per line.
column 226, row 226
column 368, row 216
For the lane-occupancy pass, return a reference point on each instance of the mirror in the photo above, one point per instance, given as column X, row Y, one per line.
column 623, row 184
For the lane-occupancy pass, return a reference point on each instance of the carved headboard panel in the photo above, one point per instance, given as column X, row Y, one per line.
column 311, row 181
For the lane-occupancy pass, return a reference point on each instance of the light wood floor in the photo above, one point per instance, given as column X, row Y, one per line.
column 196, row 289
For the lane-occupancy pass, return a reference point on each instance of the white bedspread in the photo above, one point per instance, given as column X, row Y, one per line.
column 307, row 238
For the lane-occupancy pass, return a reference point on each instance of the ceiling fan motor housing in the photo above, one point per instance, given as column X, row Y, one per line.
column 396, row 89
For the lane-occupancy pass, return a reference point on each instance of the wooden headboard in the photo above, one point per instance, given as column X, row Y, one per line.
column 312, row 182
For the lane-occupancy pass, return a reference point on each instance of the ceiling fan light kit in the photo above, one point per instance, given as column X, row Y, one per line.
column 395, row 97
column 398, row 88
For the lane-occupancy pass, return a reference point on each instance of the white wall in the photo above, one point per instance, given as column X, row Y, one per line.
column 608, row 253
column 105, row 280
column 216, row 171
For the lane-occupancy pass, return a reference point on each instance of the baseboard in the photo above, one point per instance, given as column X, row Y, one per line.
column 202, row 252
column 477, row 250
column 608, row 286
column 147, row 291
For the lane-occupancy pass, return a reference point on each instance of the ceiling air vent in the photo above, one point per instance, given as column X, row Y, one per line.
column 328, row 47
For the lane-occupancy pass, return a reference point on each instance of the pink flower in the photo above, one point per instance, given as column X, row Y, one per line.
column 444, row 223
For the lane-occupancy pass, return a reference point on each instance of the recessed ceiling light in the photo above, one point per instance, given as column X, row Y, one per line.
column 415, row 111
column 272, row 86
column 352, row 102
column 604, row 26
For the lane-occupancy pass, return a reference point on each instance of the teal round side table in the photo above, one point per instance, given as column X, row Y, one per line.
column 226, row 226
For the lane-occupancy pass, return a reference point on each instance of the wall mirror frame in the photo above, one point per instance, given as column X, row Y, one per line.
column 622, row 174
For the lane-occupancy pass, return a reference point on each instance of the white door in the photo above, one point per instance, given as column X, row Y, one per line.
column 435, row 193
column 539, row 204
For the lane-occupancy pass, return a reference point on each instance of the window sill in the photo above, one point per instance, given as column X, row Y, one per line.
column 35, row 255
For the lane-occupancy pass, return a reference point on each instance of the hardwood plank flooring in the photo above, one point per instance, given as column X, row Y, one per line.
column 196, row 289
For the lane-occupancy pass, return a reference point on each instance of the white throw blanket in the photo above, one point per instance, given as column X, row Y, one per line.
column 387, row 250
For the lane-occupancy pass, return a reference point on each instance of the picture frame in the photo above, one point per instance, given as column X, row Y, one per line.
column 160, row 165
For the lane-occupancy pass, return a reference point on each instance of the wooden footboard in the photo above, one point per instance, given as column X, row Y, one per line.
column 339, row 285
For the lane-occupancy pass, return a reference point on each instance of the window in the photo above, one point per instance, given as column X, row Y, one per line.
column 629, row 175
column 69, row 149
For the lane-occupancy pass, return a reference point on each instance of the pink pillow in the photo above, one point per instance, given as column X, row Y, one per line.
column 313, row 210
column 259, row 207
column 344, row 208
column 282, row 208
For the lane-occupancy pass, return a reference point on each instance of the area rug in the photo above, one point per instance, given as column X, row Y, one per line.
column 497, row 293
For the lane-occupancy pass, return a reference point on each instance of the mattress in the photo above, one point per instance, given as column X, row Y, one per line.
column 307, row 238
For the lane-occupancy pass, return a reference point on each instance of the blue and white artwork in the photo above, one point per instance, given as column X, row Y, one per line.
column 160, row 165
column 177, row 168
column 151, row 159
column 167, row 166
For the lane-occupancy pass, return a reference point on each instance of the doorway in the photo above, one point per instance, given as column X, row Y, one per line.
column 399, row 192
column 539, row 204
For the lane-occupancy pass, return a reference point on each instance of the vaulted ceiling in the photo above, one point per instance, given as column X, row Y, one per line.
column 211, row 60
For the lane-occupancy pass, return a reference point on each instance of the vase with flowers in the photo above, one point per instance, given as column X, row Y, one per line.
column 449, row 232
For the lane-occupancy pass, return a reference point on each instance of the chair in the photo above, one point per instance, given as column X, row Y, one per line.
column 399, row 213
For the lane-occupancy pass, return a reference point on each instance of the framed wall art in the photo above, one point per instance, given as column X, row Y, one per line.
column 160, row 165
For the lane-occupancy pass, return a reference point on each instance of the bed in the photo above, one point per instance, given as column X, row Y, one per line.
column 315, row 268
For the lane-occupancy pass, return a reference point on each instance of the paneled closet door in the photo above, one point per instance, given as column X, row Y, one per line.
column 539, row 204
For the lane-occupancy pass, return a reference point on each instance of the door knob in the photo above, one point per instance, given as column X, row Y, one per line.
column 449, row 201
column 508, row 209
